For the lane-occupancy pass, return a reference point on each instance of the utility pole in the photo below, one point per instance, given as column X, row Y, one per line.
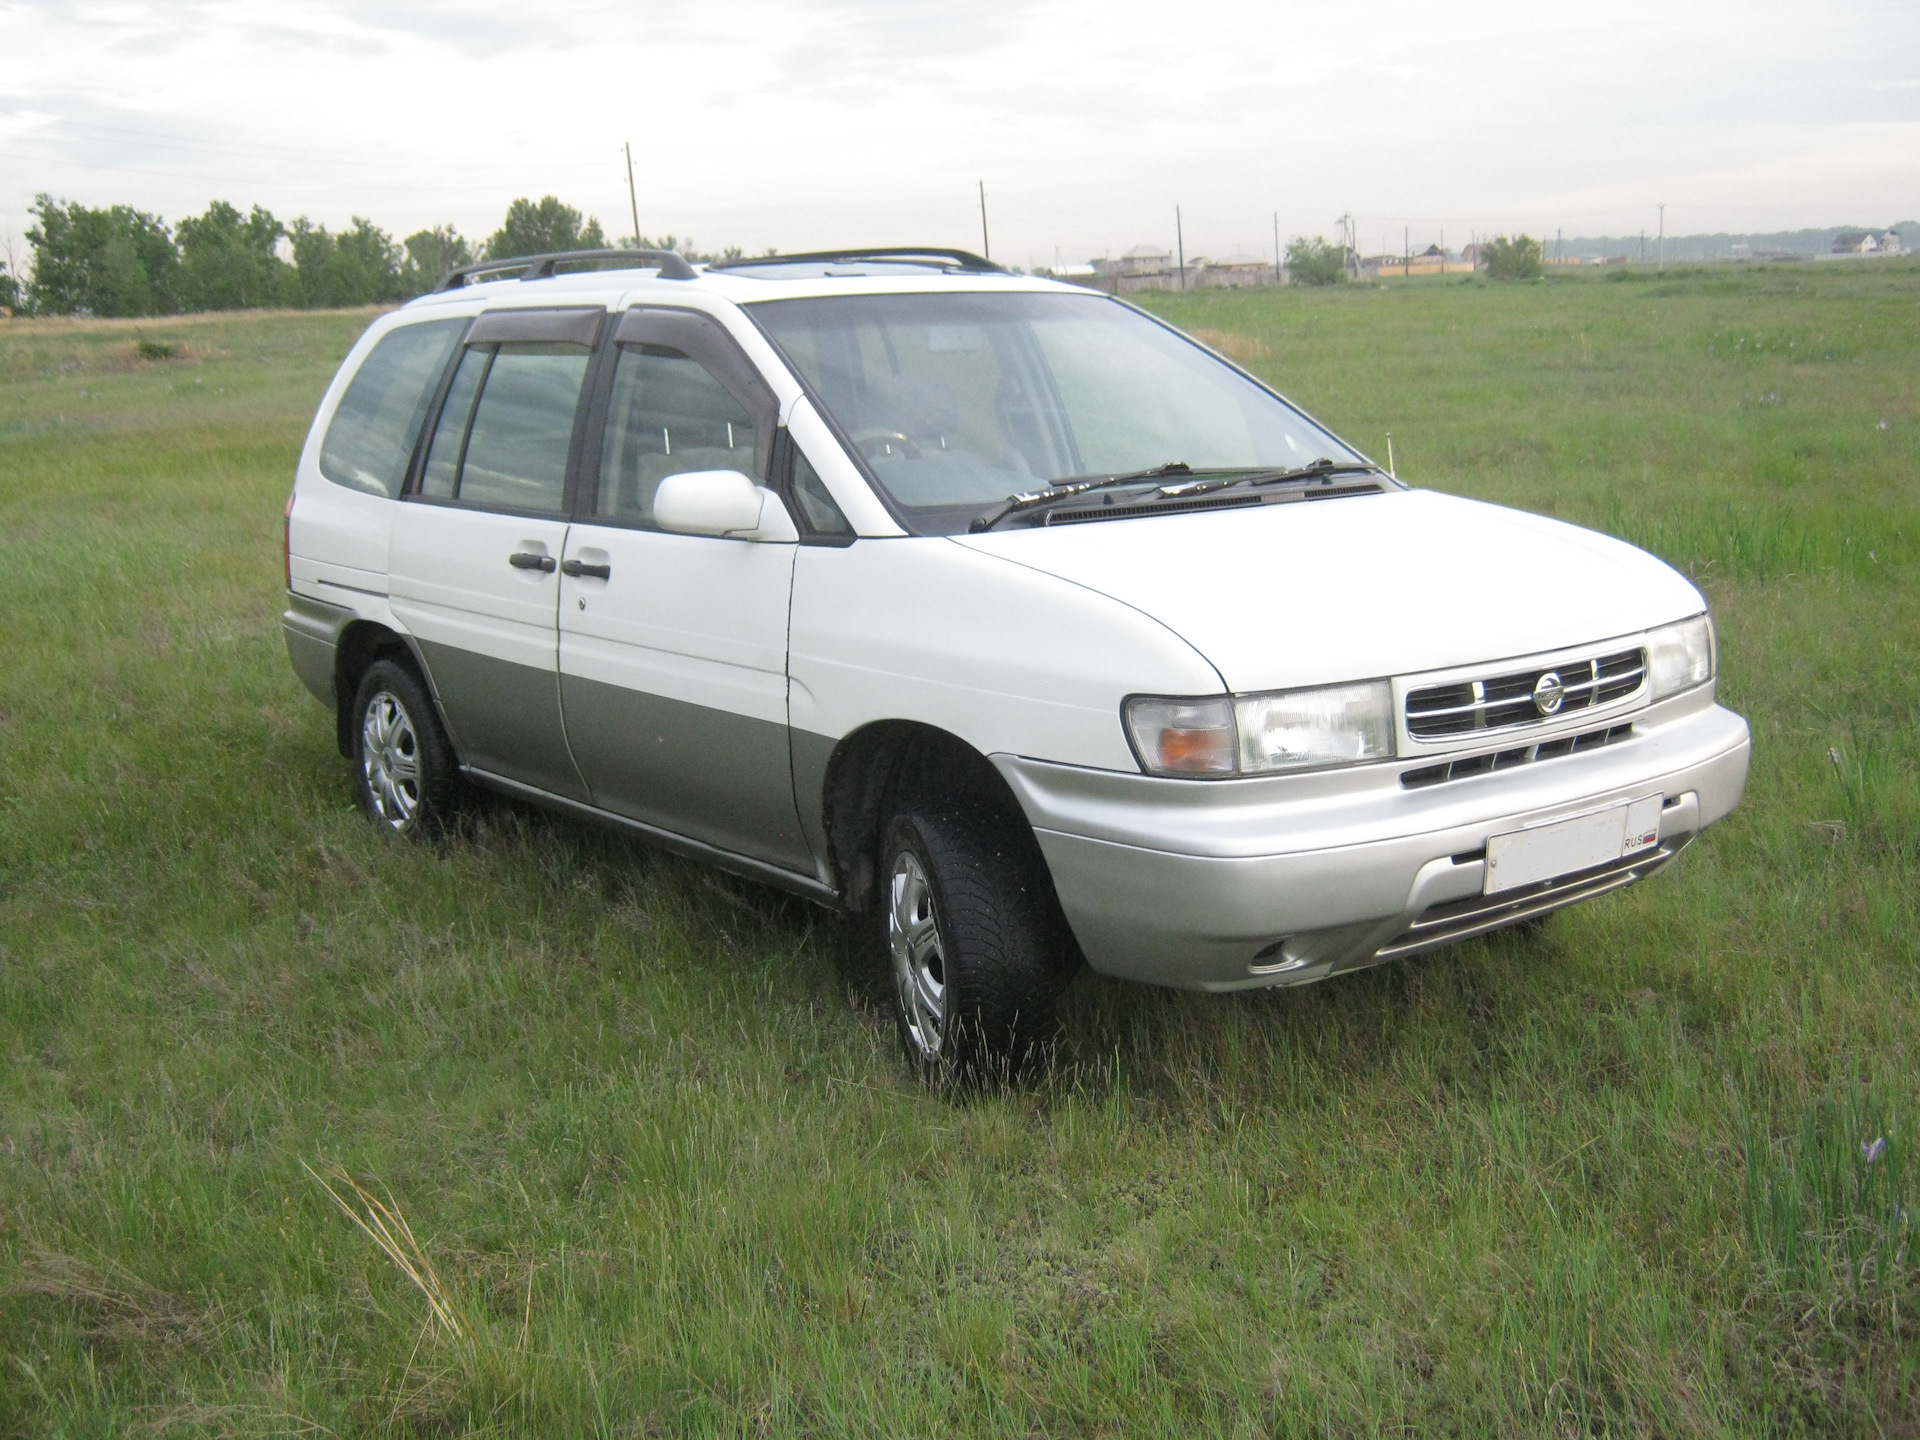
column 1660, row 250
column 986, row 250
column 632, row 198
column 1559, row 246
column 1276, row 247
column 1406, row 251
column 1180, row 242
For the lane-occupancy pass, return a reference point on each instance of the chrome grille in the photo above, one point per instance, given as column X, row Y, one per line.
column 1521, row 755
column 1500, row 702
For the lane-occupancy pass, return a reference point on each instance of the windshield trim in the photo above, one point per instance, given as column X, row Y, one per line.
column 904, row 517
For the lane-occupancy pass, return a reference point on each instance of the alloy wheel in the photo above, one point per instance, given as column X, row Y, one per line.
column 390, row 755
column 919, row 956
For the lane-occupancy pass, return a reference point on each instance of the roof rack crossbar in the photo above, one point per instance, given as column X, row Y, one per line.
column 957, row 259
column 673, row 266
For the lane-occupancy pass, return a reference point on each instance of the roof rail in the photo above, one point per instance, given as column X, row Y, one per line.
column 672, row 265
column 955, row 259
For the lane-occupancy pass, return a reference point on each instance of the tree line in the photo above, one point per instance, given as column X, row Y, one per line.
column 1320, row 262
column 119, row 261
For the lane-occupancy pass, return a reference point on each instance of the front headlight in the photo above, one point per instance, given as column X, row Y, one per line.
column 1284, row 731
column 1680, row 657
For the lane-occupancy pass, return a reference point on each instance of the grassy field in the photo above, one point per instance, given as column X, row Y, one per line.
column 645, row 1155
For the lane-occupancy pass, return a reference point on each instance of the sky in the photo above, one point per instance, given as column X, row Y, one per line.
column 809, row 123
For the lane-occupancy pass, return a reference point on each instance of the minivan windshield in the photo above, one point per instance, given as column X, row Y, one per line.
column 957, row 401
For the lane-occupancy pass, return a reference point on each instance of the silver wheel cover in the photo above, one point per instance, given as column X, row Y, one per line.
column 390, row 756
column 919, row 957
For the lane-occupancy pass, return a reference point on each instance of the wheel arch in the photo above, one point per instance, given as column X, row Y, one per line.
column 361, row 643
column 885, row 764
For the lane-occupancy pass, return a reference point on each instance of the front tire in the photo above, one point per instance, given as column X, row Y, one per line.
column 975, row 960
column 405, row 769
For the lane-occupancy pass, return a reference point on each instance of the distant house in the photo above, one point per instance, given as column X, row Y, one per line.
column 1151, row 267
column 1851, row 243
column 1430, row 261
column 1236, row 272
column 1145, row 267
column 1146, row 260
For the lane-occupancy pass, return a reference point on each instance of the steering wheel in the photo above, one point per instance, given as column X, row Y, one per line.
column 888, row 441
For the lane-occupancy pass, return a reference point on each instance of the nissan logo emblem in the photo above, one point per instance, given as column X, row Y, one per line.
column 1548, row 693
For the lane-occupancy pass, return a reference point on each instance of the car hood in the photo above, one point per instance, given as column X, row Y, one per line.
column 1357, row 588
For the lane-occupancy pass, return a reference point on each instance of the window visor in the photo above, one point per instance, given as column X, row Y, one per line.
column 567, row 327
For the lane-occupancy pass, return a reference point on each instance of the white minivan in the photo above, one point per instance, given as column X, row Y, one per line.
column 993, row 608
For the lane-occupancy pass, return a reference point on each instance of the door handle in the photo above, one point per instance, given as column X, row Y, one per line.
column 580, row 567
column 527, row 560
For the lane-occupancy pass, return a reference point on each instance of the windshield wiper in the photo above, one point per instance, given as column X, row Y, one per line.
column 1208, row 481
column 1323, row 468
column 1014, row 504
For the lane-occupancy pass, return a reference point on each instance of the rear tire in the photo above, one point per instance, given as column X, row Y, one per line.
column 405, row 770
column 973, row 946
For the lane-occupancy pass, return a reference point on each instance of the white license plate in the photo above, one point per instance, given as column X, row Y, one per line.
column 1542, row 852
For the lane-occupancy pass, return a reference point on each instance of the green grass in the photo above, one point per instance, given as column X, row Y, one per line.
column 660, row 1161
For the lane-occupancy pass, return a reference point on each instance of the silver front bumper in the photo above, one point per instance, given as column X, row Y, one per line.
column 1283, row 880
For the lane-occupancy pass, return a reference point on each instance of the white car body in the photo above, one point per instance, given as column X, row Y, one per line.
column 707, row 695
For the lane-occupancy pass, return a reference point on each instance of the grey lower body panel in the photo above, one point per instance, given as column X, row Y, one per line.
column 313, row 629
column 811, row 755
column 504, row 718
column 725, row 780
column 745, row 865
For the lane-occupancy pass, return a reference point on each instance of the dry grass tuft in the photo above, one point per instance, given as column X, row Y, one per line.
column 388, row 1228
column 123, row 1307
column 194, row 1418
column 1231, row 344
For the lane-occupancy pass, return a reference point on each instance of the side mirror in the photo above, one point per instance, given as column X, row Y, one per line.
column 721, row 502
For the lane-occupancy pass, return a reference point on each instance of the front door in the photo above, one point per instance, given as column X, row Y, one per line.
column 673, row 648
column 475, row 555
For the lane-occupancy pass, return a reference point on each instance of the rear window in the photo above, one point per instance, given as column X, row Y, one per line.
column 372, row 435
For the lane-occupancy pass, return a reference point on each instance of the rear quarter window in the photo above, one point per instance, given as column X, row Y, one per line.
column 371, row 436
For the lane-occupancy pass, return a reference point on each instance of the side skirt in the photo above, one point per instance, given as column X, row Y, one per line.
column 789, row 880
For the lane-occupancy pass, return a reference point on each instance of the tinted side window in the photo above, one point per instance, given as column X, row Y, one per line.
column 372, row 434
column 668, row 415
column 450, row 435
column 506, row 427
